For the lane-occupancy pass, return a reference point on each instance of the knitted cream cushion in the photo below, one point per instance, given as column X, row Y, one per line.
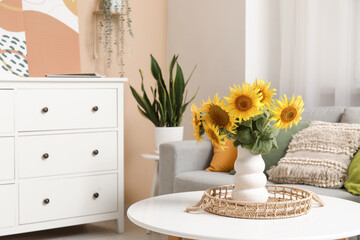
column 318, row 155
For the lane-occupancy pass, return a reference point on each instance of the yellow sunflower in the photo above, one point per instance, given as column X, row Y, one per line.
column 213, row 133
column 287, row 112
column 196, row 122
column 215, row 112
column 267, row 94
column 196, row 116
column 197, row 134
column 244, row 102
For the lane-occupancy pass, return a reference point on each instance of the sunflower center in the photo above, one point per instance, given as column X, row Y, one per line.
column 219, row 116
column 288, row 114
column 213, row 136
column 243, row 103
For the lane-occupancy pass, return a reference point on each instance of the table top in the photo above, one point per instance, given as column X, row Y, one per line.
column 166, row 214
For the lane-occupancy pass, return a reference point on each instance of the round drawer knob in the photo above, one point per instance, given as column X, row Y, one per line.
column 96, row 195
column 95, row 152
column 45, row 156
column 45, row 110
column 46, row 201
column 95, row 108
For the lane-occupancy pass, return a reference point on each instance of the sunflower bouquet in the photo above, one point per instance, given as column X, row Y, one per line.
column 250, row 116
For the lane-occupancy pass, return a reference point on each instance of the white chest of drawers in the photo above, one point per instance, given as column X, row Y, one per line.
column 61, row 153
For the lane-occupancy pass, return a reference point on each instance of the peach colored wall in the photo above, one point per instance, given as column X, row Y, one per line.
column 150, row 30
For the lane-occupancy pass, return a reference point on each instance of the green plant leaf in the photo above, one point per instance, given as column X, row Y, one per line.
column 146, row 107
column 170, row 111
column 245, row 136
column 183, row 108
column 171, row 79
column 162, row 114
column 162, row 95
column 262, row 147
column 179, row 86
column 155, row 69
column 274, row 143
column 145, row 97
column 171, row 67
column 237, row 143
column 146, row 115
column 186, row 83
column 168, row 103
column 260, row 124
column 247, row 123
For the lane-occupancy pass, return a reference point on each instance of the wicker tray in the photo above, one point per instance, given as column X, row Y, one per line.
column 283, row 202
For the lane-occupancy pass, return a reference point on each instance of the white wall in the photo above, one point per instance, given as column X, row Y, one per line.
column 211, row 35
column 263, row 41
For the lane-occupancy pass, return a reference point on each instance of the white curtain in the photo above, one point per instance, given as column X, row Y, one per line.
column 320, row 51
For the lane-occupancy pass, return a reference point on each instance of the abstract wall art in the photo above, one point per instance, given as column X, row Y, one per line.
column 38, row 37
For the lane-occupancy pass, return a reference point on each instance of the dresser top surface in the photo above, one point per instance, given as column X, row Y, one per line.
column 56, row 79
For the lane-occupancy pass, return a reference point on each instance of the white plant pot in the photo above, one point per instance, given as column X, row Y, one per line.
column 249, row 179
column 167, row 134
column 115, row 3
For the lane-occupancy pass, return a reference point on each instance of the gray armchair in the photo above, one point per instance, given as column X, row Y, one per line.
column 181, row 157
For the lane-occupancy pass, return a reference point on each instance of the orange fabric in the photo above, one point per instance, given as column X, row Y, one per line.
column 223, row 160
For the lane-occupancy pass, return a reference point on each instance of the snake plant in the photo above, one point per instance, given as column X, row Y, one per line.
column 168, row 101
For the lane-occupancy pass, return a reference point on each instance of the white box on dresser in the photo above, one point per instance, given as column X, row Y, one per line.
column 61, row 153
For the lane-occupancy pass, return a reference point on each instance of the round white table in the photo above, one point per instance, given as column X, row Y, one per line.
column 166, row 214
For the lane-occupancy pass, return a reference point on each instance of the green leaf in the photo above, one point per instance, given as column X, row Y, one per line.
column 155, row 69
column 145, row 97
column 237, row 143
column 183, row 108
column 146, row 116
column 274, row 143
column 171, row 67
column 245, row 136
column 170, row 111
column 186, row 83
column 262, row 115
column 262, row 147
column 162, row 96
column 162, row 113
column 179, row 86
column 260, row 124
column 144, row 105
column 247, row 123
column 250, row 146
column 171, row 79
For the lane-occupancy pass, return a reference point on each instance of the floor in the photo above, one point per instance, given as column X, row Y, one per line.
column 98, row 231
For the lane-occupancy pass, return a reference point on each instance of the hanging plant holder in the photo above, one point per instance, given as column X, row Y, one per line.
column 112, row 29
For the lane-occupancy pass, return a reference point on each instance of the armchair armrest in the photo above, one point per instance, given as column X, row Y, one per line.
column 179, row 157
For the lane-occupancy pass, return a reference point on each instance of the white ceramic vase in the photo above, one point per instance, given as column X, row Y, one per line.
column 167, row 134
column 249, row 179
column 115, row 3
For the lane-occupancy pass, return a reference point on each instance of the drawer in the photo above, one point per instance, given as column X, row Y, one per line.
column 66, row 198
column 66, row 153
column 59, row 109
column 7, row 168
column 7, row 205
column 7, row 111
